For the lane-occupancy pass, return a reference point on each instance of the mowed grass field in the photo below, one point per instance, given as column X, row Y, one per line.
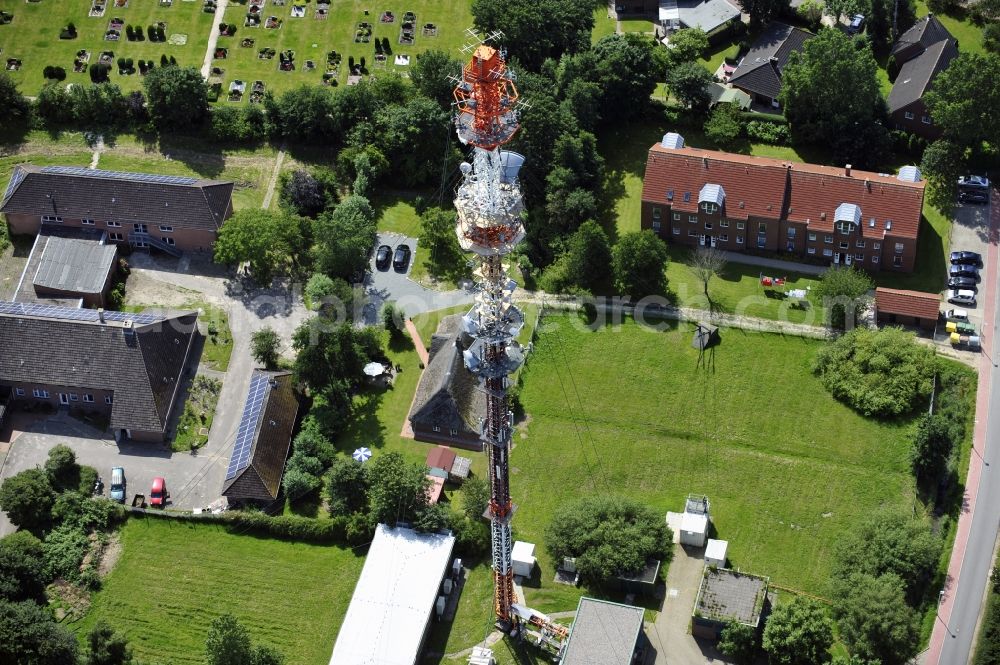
column 33, row 36
column 629, row 411
column 312, row 39
column 174, row 578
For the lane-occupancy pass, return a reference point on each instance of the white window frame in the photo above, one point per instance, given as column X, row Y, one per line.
column 897, row 261
column 739, row 240
column 54, row 219
column 709, row 207
column 170, row 241
column 811, row 250
column 453, row 432
column 114, row 225
column 791, row 231
column 828, row 239
column 73, row 397
column 677, row 217
column 761, row 228
column 88, row 222
column 88, row 398
column 19, row 392
column 908, row 115
column 656, row 229
column 107, row 399
column 761, row 241
column 874, row 258
column 900, row 248
column 692, row 218
column 724, row 223
column 926, row 119
column 740, row 226
column 40, row 393
column 708, row 226
column 724, row 237
column 694, row 233
column 860, row 258
column 827, row 251
column 169, row 229
column 676, row 231
column 845, row 245
column 812, row 236
column 860, row 244
column 139, row 227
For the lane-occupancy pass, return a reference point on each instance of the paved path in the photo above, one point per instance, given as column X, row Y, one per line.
column 775, row 264
column 274, row 178
column 213, row 37
column 417, row 342
column 98, row 149
column 972, row 556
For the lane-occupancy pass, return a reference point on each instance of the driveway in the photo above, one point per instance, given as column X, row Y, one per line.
column 192, row 480
column 970, row 232
column 382, row 286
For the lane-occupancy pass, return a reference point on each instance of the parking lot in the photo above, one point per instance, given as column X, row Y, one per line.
column 194, row 481
column 970, row 232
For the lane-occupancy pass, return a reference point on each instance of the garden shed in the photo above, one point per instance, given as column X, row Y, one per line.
column 715, row 553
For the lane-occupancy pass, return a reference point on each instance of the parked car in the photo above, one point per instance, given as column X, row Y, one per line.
column 974, row 196
column 962, row 297
column 972, row 258
column 962, row 283
column 401, row 259
column 963, row 270
column 158, row 493
column 117, row 489
column 957, row 315
column 973, row 182
column 382, row 256
column 857, row 23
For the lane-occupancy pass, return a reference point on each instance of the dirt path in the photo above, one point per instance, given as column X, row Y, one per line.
column 213, row 37
column 274, row 179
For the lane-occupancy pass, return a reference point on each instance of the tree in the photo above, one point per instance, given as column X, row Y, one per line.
column 626, row 69
column 798, row 633
column 30, row 636
column 608, row 536
column 344, row 238
column 298, row 484
column 62, row 469
column 177, row 97
column 305, row 114
column 688, row 82
column 437, row 235
column 265, row 655
column 397, row 489
column 706, row 263
column 831, row 96
column 14, row 104
column 303, row 193
column 724, row 126
column 739, row 642
column 347, row 487
column 106, row 647
column 537, row 29
column 22, row 568
column 264, row 346
column 475, row 498
column 687, row 45
column 430, row 72
column 639, row 262
column 326, row 355
column 879, row 373
column 890, row 18
column 53, row 104
column 890, row 542
column 841, row 8
column 875, row 621
column 942, row 165
column 585, row 263
column 393, row 319
column 228, row 124
column 932, row 444
column 228, row 642
column 432, row 518
column 27, row 499
column 844, row 290
column 412, row 136
column 811, row 11
column 260, row 237
column 991, row 38
column 762, row 11
column 965, row 99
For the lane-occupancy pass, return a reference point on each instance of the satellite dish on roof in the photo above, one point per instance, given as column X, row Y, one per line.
column 511, row 163
column 465, row 168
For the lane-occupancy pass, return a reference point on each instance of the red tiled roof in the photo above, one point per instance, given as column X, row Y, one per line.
column 755, row 182
column 816, row 191
column 907, row 303
column 763, row 187
column 435, row 489
column 441, row 457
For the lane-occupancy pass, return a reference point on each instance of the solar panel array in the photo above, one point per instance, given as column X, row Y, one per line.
column 120, row 175
column 12, row 185
column 248, row 424
column 68, row 313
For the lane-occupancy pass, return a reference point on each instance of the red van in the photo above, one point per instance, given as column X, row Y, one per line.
column 158, row 494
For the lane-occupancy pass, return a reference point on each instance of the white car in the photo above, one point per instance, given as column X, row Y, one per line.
column 962, row 297
column 957, row 314
column 974, row 182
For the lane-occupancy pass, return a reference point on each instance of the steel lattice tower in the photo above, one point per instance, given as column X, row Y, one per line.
column 489, row 206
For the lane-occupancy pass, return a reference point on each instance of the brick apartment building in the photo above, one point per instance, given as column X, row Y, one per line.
column 125, row 366
column 806, row 212
column 172, row 213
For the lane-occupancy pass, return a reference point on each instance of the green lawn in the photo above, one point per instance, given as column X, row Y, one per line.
column 604, row 25
column 637, row 25
column 174, row 578
column 716, row 54
column 788, row 469
column 218, row 346
column 970, row 37
column 33, row 37
column 312, row 39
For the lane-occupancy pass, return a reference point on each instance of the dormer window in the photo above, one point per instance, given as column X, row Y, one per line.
column 670, row 195
column 687, row 197
column 709, row 208
column 845, row 227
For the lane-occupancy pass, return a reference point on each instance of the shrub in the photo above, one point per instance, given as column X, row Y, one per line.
column 151, row 31
column 88, row 476
column 767, row 132
column 879, row 373
column 64, row 549
column 47, row 72
column 59, row 73
column 130, row 33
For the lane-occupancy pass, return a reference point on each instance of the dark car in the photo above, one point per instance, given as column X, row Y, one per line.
column 401, row 259
column 962, row 283
column 857, row 22
column 963, row 270
column 969, row 258
column 973, row 197
column 382, row 256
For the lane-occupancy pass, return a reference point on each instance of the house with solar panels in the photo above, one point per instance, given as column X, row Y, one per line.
column 123, row 365
column 262, row 440
column 174, row 214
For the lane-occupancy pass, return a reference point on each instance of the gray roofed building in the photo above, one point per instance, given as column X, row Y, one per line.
column 759, row 72
column 448, row 403
column 132, row 372
column 925, row 32
column 74, row 266
column 260, row 480
column 711, row 16
column 118, row 197
column 729, row 595
column 603, row 633
column 915, row 75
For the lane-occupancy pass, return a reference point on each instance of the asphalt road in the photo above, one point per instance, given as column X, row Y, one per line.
column 961, row 609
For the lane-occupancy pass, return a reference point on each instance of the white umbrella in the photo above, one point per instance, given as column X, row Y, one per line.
column 362, row 454
column 374, row 369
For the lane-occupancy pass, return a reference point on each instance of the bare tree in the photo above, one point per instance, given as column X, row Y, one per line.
column 706, row 263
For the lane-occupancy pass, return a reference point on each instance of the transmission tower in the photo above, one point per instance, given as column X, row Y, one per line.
column 489, row 206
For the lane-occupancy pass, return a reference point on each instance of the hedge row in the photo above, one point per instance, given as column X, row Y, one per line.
column 289, row 527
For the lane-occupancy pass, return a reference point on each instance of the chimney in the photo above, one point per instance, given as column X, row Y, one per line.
column 868, row 184
column 100, row 314
column 128, row 328
column 847, row 170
